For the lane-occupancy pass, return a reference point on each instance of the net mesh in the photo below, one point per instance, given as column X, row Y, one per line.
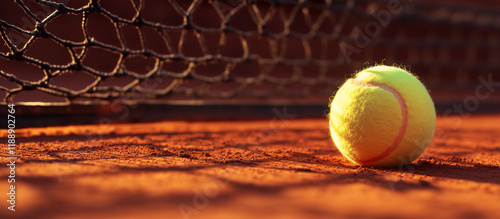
column 70, row 51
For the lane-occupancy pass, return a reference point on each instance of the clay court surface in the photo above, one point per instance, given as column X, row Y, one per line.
column 279, row 168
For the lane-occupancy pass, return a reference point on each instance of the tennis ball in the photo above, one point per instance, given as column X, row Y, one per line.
column 382, row 117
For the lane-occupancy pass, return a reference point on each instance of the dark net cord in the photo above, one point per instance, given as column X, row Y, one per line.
column 92, row 51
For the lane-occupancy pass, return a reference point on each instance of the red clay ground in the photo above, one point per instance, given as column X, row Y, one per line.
column 255, row 169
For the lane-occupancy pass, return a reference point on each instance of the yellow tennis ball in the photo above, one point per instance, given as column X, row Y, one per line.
column 382, row 117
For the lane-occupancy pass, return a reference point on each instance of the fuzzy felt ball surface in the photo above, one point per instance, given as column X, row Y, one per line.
column 382, row 117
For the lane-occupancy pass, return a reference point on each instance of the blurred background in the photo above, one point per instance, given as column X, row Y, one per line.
column 79, row 61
